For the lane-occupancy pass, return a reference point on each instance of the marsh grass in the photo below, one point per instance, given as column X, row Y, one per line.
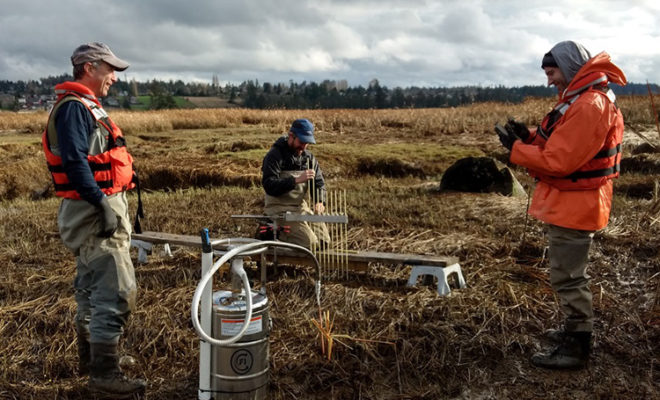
column 479, row 334
column 482, row 116
column 199, row 168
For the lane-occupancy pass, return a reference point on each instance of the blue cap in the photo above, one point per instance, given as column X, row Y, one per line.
column 304, row 130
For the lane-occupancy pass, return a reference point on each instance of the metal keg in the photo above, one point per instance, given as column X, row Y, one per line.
column 239, row 371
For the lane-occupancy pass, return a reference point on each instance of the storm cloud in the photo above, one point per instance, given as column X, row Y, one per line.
column 399, row 42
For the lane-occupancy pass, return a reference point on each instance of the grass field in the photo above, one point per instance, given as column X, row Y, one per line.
column 198, row 167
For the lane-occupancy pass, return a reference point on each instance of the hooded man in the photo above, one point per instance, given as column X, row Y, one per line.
column 574, row 155
column 291, row 176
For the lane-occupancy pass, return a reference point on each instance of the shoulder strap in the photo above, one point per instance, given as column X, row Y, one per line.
column 98, row 112
column 51, row 129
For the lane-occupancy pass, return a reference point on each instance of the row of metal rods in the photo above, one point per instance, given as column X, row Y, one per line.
column 332, row 254
column 338, row 258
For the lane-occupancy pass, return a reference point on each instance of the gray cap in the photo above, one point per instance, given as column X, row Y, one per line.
column 97, row 51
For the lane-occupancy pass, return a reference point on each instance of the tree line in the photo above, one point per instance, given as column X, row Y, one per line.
column 306, row 95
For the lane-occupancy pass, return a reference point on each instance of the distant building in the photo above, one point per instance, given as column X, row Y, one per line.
column 111, row 101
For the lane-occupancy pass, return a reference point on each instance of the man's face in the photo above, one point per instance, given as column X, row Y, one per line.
column 555, row 77
column 296, row 145
column 101, row 77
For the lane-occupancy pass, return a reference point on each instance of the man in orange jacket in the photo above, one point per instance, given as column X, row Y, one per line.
column 574, row 155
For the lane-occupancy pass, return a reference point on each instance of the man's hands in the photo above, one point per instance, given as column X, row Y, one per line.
column 517, row 128
column 506, row 138
column 305, row 176
column 109, row 219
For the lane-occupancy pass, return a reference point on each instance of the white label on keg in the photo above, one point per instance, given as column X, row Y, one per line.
column 231, row 327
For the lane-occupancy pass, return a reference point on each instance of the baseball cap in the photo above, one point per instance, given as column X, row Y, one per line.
column 304, row 130
column 97, row 51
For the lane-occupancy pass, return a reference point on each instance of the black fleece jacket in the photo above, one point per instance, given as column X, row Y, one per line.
column 280, row 158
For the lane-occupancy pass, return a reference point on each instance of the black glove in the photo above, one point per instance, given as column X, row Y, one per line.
column 517, row 128
column 506, row 138
column 109, row 219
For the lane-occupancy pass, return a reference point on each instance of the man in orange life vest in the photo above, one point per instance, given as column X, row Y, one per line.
column 92, row 170
column 574, row 155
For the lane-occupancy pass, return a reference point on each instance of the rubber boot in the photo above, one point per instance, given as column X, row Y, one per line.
column 571, row 353
column 555, row 335
column 84, row 351
column 106, row 379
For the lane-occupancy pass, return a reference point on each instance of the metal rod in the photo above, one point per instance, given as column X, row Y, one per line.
column 340, row 267
column 206, row 319
column 328, row 230
column 313, row 187
column 335, row 239
column 345, row 235
column 331, row 233
column 325, row 249
column 655, row 113
column 337, row 219
column 311, row 205
column 346, row 229
column 337, row 227
column 264, row 273
column 328, row 257
column 309, row 190
column 339, row 238
column 328, row 250
column 337, row 245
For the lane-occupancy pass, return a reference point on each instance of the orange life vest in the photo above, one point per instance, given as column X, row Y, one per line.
column 605, row 164
column 112, row 169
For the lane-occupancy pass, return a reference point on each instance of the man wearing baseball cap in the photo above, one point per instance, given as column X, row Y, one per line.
column 291, row 176
column 95, row 51
column 92, row 170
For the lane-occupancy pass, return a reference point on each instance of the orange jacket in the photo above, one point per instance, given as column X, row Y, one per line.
column 591, row 125
column 112, row 169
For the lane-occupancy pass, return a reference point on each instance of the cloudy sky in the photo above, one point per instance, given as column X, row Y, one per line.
column 399, row 42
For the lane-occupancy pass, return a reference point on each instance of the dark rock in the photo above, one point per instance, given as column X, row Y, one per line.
column 645, row 148
column 646, row 163
column 480, row 175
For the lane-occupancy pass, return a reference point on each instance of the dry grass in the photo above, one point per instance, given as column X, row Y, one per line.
column 473, row 118
column 390, row 341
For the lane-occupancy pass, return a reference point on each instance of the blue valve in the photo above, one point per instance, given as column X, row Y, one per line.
column 206, row 241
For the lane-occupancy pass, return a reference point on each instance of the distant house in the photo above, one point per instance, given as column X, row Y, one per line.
column 111, row 102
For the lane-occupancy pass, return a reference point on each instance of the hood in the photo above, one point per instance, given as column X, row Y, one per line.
column 601, row 63
column 580, row 69
column 570, row 57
